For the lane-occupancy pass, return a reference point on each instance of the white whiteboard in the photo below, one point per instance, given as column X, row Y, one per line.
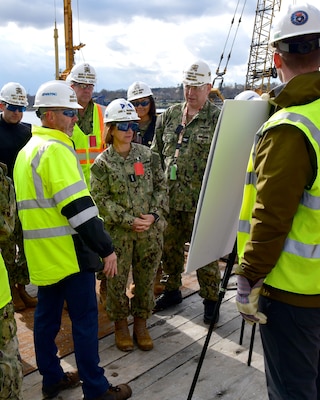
column 216, row 219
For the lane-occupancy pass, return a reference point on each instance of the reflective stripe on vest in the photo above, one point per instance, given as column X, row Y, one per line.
column 86, row 153
column 48, row 235
column 298, row 267
column 41, row 202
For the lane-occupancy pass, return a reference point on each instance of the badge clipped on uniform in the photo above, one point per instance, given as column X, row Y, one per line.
column 138, row 168
column 173, row 172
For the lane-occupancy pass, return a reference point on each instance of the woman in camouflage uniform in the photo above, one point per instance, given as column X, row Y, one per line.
column 128, row 185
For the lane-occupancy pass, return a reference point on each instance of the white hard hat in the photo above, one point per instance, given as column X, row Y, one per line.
column 248, row 95
column 82, row 73
column 120, row 110
column 297, row 20
column 138, row 90
column 197, row 74
column 14, row 93
column 56, row 94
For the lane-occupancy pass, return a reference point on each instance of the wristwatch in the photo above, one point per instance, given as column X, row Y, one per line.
column 156, row 217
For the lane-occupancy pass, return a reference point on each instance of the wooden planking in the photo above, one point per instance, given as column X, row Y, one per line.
column 167, row 371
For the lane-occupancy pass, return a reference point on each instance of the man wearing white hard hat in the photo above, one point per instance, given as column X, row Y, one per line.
column 65, row 244
column 279, row 228
column 183, row 138
column 87, row 132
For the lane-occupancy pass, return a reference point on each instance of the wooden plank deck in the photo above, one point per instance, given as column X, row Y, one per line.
column 168, row 370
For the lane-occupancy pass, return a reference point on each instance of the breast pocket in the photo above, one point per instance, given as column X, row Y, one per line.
column 169, row 144
column 203, row 138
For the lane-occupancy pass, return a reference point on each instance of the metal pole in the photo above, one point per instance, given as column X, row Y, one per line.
column 222, row 291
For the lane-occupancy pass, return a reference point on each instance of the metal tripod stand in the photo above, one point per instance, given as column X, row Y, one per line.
column 222, row 291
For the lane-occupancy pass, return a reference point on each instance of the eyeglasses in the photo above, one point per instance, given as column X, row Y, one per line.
column 70, row 113
column 13, row 108
column 83, row 85
column 195, row 88
column 67, row 113
column 125, row 126
column 142, row 103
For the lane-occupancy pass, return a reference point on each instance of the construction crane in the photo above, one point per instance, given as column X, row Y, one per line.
column 260, row 65
column 69, row 47
column 216, row 95
column 260, row 68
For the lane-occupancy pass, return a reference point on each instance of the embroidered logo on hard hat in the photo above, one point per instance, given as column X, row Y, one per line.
column 194, row 67
column 87, row 68
column 299, row 17
column 137, row 90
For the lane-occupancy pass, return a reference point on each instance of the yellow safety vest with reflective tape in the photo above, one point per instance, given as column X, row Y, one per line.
column 5, row 294
column 47, row 177
column 298, row 267
column 89, row 146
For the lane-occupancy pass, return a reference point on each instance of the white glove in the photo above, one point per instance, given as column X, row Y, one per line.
column 247, row 300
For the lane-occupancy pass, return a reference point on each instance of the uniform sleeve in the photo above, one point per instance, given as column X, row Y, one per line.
column 284, row 169
column 157, row 143
column 160, row 199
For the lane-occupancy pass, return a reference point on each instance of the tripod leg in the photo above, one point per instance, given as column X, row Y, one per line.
column 251, row 344
column 223, row 289
column 242, row 331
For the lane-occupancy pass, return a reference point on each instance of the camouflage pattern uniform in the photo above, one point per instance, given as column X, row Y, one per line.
column 10, row 361
column 185, row 189
column 13, row 137
column 122, row 196
column 13, row 254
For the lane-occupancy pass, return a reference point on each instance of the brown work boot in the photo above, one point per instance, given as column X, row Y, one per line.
column 28, row 300
column 16, row 299
column 70, row 380
column 141, row 334
column 103, row 293
column 119, row 392
column 158, row 287
column 122, row 335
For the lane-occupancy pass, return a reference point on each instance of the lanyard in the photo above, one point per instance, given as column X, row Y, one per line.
column 180, row 131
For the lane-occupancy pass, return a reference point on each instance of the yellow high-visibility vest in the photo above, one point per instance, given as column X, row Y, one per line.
column 89, row 146
column 5, row 293
column 298, row 267
column 47, row 177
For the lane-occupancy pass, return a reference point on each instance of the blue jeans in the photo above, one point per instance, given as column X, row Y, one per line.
column 291, row 343
column 79, row 292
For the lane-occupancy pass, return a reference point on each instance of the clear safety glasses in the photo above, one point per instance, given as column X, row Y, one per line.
column 83, row 85
column 194, row 88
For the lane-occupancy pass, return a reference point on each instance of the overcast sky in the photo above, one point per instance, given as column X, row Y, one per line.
column 150, row 40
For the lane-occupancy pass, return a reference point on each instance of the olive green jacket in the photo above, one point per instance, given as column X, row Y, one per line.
column 285, row 165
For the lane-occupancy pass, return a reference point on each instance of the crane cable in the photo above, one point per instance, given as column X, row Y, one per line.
column 218, row 73
column 78, row 21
